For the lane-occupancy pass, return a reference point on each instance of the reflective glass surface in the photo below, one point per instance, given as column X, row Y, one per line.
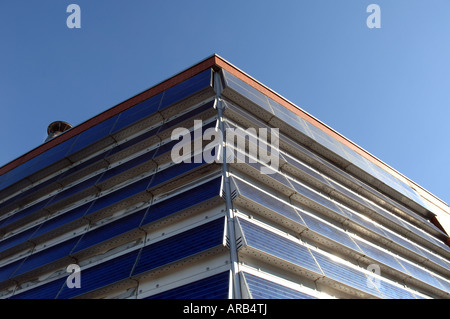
column 214, row 287
column 264, row 289
column 278, row 246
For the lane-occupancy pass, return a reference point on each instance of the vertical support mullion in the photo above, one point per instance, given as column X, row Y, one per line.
column 229, row 204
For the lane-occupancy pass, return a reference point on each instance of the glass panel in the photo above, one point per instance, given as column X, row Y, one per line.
column 328, row 231
column 314, row 196
column 6, row 271
column 186, row 88
column 354, row 217
column 391, row 291
column 110, row 230
column 278, row 246
column 180, row 246
column 62, row 220
column 148, row 156
column 421, row 274
column 102, row 275
column 347, row 193
column 275, row 205
column 379, row 255
column 47, row 256
column 17, row 239
column 264, row 289
column 298, row 165
column 92, row 135
column 137, row 112
column 27, row 211
column 45, row 291
column 74, row 189
column 345, row 274
column 120, row 194
column 247, row 91
column 214, row 287
column 182, row 201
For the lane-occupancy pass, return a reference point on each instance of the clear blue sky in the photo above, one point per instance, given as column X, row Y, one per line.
column 387, row 89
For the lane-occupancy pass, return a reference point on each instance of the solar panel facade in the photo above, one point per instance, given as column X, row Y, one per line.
column 322, row 221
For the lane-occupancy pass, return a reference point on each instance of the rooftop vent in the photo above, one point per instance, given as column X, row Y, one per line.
column 56, row 128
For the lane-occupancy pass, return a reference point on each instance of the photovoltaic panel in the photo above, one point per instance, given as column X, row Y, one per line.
column 278, row 246
column 261, row 198
column 213, row 287
column 46, row 291
column 183, row 200
column 61, row 220
column 179, row 246
column 47, row 256
column 186, row 88
column 17, row 239
column 101, row 275
column 420, row 274
column 110, row 230
column 380, row 255
column 345, row 274
column 265, row 289
column 328, row 231
column 391, row 291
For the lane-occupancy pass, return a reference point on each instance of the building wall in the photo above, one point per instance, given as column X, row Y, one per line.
column 111, row 200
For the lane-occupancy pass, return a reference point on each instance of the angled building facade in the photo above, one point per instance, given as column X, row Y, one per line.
column 254, row 198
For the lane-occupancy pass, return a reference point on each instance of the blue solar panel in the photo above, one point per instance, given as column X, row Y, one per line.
column 391, row 291
column 47, row 256
column 260, row 198
column 92, row 135
column 25, row 212
column 330, row 232
column 323, row 200
column 264, row 289
column 137, row 112
column 278, row 246
column 62, row 219
column 45, row 291
column 180, row 246
column 102, row 275
column 110, row 230
column 214, row 287
column 186, row 88
column 127, row 165
column 75, row 189
column 300, row 166
column 120, row 194
column 421, row 274
column 182, row 201
column 380, row 256
column 345, row 274
column 8, row 270
column 17, row 239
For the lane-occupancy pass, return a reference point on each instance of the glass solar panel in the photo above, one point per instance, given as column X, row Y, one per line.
column 101, row 275
column 261, row 198
column 47, row 256
column 46, row 291
column 265, row 289
column 344, row 273
column 214, row 287
column 278, row 246
column 319, row 226
column 179, row 246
